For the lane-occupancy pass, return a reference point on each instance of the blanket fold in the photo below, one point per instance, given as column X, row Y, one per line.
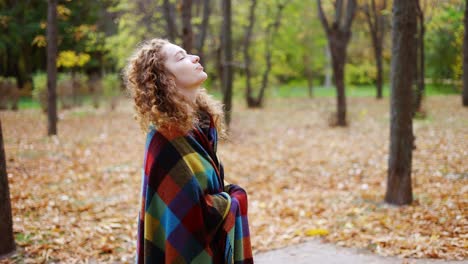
column 187, row 214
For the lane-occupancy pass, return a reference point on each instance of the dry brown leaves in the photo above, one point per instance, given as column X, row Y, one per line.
column 75, row 197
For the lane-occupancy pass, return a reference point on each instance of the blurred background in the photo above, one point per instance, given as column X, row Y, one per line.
column 96, row 37
column 339, row 130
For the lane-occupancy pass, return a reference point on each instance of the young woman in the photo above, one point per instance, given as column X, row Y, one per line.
column 188, row 214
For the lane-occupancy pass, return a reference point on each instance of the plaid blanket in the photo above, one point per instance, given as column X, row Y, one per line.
column 187, row 214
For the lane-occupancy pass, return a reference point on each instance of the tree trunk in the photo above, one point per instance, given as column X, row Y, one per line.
column 74, row 86
column 272, row 30
column 24, row 68
column 7, row 241
column 227, row 59
column 308, row 74
column 308, row 55
column 379, row 81
column 376, row 23
column 328, row 69
column 248, row 35
column 419, row 76
column 187, row 33
column 219, row 62
column 339, row 34
column 52, row 67
column 170, row 20
column 465, row 59
column 399, row 190
column 422, row 76
column 339, row 57
column 203, row 29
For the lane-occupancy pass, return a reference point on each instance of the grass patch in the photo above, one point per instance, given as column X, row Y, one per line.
column 27, row 102
column 301, row 90
column 290, row 90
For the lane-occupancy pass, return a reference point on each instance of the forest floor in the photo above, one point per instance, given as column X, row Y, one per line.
column 75, row 196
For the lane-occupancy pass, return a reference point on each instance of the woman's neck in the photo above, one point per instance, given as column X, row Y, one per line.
column 191, row 94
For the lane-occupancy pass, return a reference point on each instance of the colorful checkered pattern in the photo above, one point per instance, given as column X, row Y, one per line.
column 187, row 215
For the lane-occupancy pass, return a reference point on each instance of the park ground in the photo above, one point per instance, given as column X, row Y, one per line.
column 75, row 196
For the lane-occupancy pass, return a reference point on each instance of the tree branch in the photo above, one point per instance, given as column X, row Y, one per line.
column 322, row 16
column 350, row 11
column 338, row 10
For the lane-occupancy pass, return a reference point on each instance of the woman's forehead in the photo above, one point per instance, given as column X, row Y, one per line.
column 171, row 49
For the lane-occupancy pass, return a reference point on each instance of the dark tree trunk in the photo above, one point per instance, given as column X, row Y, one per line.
column 169, row 15
column 248, row 35
column 203, row 29
column 227, row 59
column 219, row 61
column 327, row 83
column 379, row 81
column 51, row 67
column 339, row 34
column 422, row 76
column 7, row 241
column 465, row 59
column 74, row 86
column 196, row 5
column 419, row 75
column 271, row 32
column 308, row 73
column 399, row 190
column 187, row 33
column 376, row 22
column 338, row 63
column 24, row 68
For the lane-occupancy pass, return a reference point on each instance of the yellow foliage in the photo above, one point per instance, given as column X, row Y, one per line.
column 69, row 58
column 40, row 41
column 63, row 12
column 83, row 30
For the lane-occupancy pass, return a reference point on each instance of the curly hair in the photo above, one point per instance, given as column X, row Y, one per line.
column 157, row 100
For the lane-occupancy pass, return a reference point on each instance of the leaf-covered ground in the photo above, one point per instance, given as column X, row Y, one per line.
column 75, row 197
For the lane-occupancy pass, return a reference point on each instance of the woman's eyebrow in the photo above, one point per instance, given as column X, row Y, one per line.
column 180, row 51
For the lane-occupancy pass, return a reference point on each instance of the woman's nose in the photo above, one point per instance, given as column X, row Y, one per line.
column 196, row 58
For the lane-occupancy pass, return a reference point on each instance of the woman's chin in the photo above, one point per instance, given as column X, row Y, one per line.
column 204, row 76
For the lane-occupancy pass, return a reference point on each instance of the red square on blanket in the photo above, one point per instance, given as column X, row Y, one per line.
column 168, row 189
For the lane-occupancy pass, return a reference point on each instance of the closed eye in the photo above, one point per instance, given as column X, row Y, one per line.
column 181, row 54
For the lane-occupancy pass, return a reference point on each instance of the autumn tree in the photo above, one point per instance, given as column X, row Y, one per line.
column 399, row 190
column 52, row 66
column 465, row 58
column 271, row 32
column 7, row 242
column 339, row 34
column 18, row 41
column 226, row 43
column 203, row 30
column 376, row 21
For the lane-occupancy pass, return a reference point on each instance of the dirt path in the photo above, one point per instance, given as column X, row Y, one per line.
column 314, row 251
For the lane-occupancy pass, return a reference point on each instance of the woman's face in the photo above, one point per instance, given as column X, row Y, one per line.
column 187, row 71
